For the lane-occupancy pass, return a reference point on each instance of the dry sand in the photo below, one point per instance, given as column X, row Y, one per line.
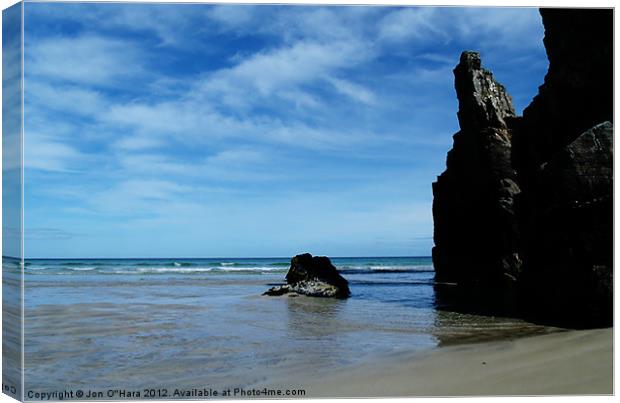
column 568, row 362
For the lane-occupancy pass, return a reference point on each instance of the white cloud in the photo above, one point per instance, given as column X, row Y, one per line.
column 485, row 26
column 12, row 98
column 325, row 24
column 283, row 69
column 235, row 164
column 236, row 156
column 240, row 165
column 193, row 122
column 419, row 23
column 154, row 165
column 301, row 100
column 92, row 60
column 165, row 22
column 187, row 121
column 437, row 58
column 498, row 25
column 65, row 98
column 138, row 142
column 231, row 16
column 45, row 153
column 354, row 91
column 149, row 189
column 139, row 202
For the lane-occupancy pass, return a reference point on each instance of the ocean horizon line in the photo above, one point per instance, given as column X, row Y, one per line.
column 210, row 258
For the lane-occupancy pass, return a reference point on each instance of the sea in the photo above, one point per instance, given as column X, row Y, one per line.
column 165, row 324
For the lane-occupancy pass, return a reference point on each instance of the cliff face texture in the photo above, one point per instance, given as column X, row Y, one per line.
column 524, row 211
column 474, row 198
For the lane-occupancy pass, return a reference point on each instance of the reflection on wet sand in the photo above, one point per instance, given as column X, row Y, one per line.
column 456, row 323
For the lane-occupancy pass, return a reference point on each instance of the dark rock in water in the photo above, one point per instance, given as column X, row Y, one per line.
column 277, row 290
column 524, row 211
column 473, row 206
column 314, row 276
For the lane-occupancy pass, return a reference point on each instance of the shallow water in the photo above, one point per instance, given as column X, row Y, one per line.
column 134, row 324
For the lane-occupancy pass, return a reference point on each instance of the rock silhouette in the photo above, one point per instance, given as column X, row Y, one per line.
column 473, row 207
column 524, row 211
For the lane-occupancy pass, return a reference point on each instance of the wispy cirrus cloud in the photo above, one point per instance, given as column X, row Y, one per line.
column 85, row 59
column 266, row 74
column 416, row 24
column 354, row 91
column 232, row 17
column 230, row 165
column 48, row 154
column 69, row 98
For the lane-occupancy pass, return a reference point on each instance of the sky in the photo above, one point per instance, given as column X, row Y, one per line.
column 177, row 130
column 11, row 133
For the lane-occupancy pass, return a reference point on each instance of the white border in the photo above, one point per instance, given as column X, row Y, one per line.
column 486, row 3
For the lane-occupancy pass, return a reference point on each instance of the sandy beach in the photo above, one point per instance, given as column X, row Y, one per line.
column 569, row 362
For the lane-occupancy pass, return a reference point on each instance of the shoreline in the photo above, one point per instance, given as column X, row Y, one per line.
column 566, row 362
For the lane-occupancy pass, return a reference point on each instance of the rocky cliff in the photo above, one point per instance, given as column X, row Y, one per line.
column 473, row 207
column 524, row 211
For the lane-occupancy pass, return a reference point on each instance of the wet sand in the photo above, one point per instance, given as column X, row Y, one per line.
column 569, row 362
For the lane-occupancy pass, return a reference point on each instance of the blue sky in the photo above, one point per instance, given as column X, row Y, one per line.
column 247, row 131
column 11, row 133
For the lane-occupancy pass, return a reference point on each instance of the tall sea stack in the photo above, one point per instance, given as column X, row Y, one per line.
column 524, row 211
column 474, row 198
